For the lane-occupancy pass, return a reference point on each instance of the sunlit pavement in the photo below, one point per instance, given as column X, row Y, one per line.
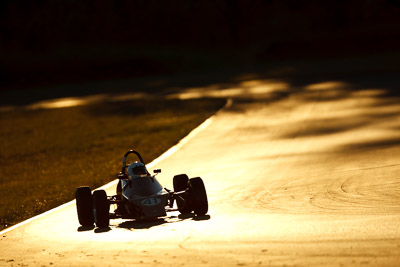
column 305, row 175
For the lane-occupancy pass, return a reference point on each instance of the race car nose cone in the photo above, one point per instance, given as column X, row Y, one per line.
column 153, row 206
column 151, row 201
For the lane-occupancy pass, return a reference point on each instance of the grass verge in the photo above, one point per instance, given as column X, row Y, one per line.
column 46, row 154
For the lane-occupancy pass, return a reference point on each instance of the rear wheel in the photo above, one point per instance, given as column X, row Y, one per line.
column 84, row 205
column 180, row 184
column 198, row 196
column 101, row 208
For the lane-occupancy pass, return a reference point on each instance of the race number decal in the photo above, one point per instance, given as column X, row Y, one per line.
column 151, row 201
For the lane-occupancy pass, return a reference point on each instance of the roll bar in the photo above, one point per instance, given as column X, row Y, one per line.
column 126, row 155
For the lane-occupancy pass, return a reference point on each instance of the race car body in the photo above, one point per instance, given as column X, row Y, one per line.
column 140, row 196
column 144, row 197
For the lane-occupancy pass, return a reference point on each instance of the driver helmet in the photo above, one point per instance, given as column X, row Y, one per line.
column 136, row 169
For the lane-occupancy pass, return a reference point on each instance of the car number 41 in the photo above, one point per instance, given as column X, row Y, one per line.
column 152, row 201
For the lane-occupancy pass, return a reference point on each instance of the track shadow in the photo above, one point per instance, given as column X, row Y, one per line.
column 130, row 225
column 194, row 217
column 374, row 80
column 376, row 144
column 85, row 228
column 201, row 218
column 133, row 224
column 102, row 230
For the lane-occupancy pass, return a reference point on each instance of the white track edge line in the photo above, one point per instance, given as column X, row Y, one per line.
column 165, row 155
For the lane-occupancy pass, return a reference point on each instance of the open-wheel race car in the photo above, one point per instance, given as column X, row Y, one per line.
column 140, row 196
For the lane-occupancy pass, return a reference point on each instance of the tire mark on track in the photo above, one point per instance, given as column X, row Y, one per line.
column 355, row 196
column 181, row 244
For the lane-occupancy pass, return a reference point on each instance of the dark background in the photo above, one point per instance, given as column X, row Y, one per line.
column 45, row 42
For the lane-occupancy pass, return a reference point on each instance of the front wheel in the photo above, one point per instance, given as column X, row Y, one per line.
column 101, row 208
column 181, row 184
column 198, row 196
column 84, row 205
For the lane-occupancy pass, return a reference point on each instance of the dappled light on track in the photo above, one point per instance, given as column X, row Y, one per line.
column 304, row 174
column 59, row 103
column 331, row 85
column 85, row 100
column 253, row 88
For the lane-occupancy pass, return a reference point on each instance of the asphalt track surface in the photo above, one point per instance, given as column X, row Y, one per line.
column 304, row 176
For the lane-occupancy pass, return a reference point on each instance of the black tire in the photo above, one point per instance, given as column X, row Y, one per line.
column 198, row 196
column 181, row 183
column 101, row 208
column 84, row 205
